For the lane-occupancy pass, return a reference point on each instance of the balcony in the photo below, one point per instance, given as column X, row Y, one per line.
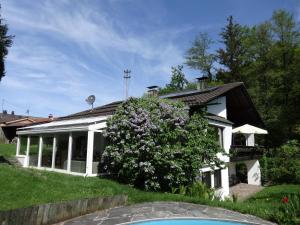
column 241, row 153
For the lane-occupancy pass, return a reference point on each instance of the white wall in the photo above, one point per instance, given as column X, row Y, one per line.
column 21, row 159
column 218, row 107
column 224, row 191
column 254, row 174
column 253, row 171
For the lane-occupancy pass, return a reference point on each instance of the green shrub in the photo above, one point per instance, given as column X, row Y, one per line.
column 285, row 166
column 197, row 190
column 154, row 145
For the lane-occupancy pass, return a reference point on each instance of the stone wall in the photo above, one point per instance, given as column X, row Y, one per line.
column 56, row 212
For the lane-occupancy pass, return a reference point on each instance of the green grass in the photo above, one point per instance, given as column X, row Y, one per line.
column 25, row 187
column 7, row 150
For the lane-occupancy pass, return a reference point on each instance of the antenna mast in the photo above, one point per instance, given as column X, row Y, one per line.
column 126, row 78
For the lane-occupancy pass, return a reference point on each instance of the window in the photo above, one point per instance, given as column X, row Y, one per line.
column 217, row 179
column 206, row 179
column 218, row 131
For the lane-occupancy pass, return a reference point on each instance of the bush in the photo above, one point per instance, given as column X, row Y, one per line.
column 152, row 144
column 285, row 166
column 196, row 190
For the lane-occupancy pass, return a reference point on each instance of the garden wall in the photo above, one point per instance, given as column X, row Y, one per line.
column 56, row 212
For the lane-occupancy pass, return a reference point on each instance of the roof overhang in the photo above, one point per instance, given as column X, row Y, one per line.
column 61, row 126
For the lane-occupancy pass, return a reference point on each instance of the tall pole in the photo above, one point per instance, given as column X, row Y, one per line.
column 126, row 77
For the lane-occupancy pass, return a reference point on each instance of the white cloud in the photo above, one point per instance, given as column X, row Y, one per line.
column 66, row 50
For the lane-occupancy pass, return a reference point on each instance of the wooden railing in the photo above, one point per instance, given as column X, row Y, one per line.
column 240, row 153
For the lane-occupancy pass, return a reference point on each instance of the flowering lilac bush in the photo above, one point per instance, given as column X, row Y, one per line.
column 149, row 145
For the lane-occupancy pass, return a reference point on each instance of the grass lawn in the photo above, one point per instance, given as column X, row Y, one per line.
column 7, row 150
column 25, row 187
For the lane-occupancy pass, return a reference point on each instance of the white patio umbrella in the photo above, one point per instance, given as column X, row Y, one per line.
column 249, row 129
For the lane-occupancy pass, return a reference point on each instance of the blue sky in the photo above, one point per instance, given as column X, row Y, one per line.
column 64, row 50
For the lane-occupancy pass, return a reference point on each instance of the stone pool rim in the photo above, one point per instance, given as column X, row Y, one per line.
column 189, row 218
column 160, row 210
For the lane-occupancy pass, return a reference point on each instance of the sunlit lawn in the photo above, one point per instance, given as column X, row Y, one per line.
column 21, row 187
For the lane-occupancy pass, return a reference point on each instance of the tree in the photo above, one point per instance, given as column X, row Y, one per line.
column 198, row 56
column 152, row 144
column 5, row 43
column 178, row 81
column 233, row 53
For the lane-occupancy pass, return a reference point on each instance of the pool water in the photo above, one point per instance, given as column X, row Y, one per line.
column 188, row 222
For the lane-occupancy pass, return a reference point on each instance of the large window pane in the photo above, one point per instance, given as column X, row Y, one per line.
column 23, row 145
column 61, row 157
column 99, row 147
column 79, row 148
column 47, row 152
column 34, row 151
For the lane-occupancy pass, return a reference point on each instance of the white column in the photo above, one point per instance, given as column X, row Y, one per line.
column 225, row 182
column 212, row 179
column 18, row 146
column 53, row 152
column 26, row 163
column 69, row 152
column 40, row 151
column 250, row 141
column 90, row 153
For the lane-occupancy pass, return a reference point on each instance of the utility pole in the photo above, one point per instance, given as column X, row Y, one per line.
column 126, row 78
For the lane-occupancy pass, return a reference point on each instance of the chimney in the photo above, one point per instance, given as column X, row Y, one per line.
column 153, row 90
column 13, row 113
column 202, row 83
column 50, row 116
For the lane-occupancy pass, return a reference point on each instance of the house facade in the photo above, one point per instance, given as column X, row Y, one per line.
column 10, row 122
column 73, row 144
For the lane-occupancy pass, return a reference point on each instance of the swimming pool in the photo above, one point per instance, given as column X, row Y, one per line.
column 188, row 222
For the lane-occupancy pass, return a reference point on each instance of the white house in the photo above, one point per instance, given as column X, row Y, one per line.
column 73, row 144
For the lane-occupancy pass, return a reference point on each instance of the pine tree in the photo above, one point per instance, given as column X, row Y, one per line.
column 233, row 53
column 5, row 43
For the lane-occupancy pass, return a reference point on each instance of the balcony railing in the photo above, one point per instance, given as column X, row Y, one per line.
column 241, row 153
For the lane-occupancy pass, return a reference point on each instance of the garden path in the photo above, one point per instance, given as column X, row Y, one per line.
column 244, row 191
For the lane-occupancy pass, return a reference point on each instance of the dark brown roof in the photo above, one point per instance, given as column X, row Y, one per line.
column 25, row 121
column 5, row 117
column 191, row 98
column 196, row 97
column 104, row 110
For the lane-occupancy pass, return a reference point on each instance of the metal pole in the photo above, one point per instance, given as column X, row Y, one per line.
column 126, row 77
